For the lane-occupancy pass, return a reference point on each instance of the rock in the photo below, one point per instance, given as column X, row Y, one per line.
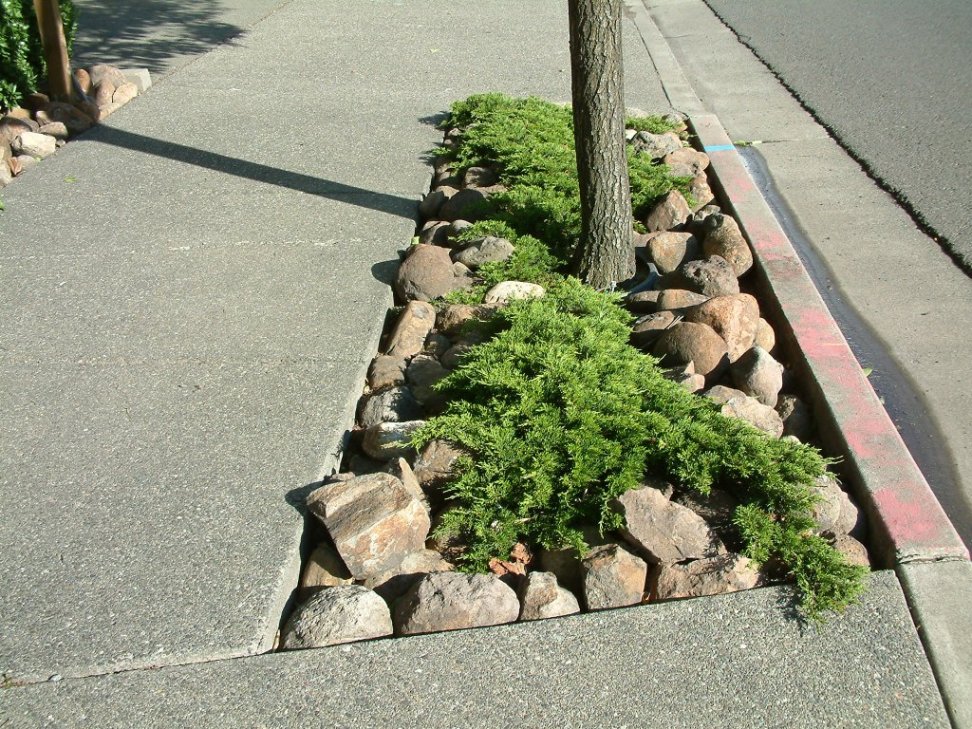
column 394, row 583
column 724, row 239
column 124, row 93
column 692, row 382
column 468, row 204
column 337, row 615
column 701, row 192
column 325, row 569
column 454, row 317
column 22, row 163
column 506, row 291
column 718, row 507
column 670, row 212
column 413, row 326
column 434, row 233
column 854, row 552
column 432, row 203
column 541, row 598
column 54, row 129
column 422, row 374
column 796, row 416
column 34, row 144
column 484, row 250
column 138, row 76
column 373, row 520
column 103, row 94
column 427, row 274
column 647, row 329
column 669, row 250
column 392, row 405
column 400, row 469
column 84, row 80
column 386, row 371
column 458, row 226
column 6, row 174
column 390, row 440
column 452, row 357
column 711, row 277
column 765, row 336
column 851, row 520
column 757, row 374
column 737, row 404
column 613, row 577
column 103, row 72
column 686, row 162
column 479, row 177
column 435, row 465
column 36, row 101
column 23, row 115
column 436, row 344
column 826, row 512
column 662, row 531
column 657, row 146
column 733, row 317
column 451, row 601
column 687, row 342
column 678, row 299
column 713, row 576
column 642, row 302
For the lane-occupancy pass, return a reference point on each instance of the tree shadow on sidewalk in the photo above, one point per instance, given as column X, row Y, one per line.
column 149, row 33
column 383, row 202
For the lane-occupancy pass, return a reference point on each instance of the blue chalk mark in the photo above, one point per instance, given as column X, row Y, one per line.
column 719, row 148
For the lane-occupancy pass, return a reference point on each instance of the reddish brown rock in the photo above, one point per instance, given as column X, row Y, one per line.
column 612, row 577
column 413, row 326
column 689, row 342
column 711, row 277
column 386, row 371
column 541, row 598
column 647, row 329
column 84, row 80
column 428, row 274
column 737, row 404
column 734, row 318
column 451, row 601
column 712, row 576
column 325, row 569
column 454, row 317
column 124, row 93
column 765, row 336
column 669, row 250
column 435, row 465
column 103, row 94
column 724, row 239
column 854, row 552
column 678, row 300
column 686, row 162
column 669, row 213
column 701, row 192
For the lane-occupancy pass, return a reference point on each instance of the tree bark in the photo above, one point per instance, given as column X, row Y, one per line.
column 55, row 48
column 605, row 256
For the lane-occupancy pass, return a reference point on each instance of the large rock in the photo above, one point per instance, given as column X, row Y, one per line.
column 337, row 615
column 507, row 291
column 541, row 597
column 612, row 577
column 712, row 576
column 452, row 601
column 392, row 584
column 678, row 299
column 390, row 440
column 854, row 551
column 700, row 190
column 422, row 374
column 686, row 162
column 657, row 146
column 435, row 465
column 467, row 204
column 428, row 274
column 453, row 318
column 669, row 250
column 485, row 250
column 647, row 329
column 103, row 72
column 324, row 568
column 11, row 127
column 737, row 404
column 711, row 277
column 668, row 213
column 734, row 318
column 687, row 342
column 34, row 144
column 757, row 374
column 765, row 336
column 393, row 405
column 797, row 417
column 725, row 239
column 662, row 531
column 374, row 521
column 479, row 177
column 411, row 329
column 386, row 371
column 433, row 202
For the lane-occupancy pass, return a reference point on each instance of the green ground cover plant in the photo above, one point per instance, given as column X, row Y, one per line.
column 22, row 65
column 561, row 415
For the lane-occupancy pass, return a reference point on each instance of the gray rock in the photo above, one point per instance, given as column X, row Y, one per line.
column 479, row 177
column 413, row 326
column 435, row 465
column 394, row 583
column 656, row 145
column 390, row 440
column 55, row 129
column 734, row 318
column 711, row 277
column 434, row 233
column 687, row 342
column 433, row 202
column 668, row 213
column 485, row 250
column 34, row 144
column 386, row 371
column 765, row 336
column 389, row 406
column 701, row 192
column 724, row 239
column 422, row 374
column 642, row 302
column 467, row 204
column 506, row 291
column 451, row 601
column 428, row 274
column 662, row 531
column 647, row 329
column 686, row 162
column 669, row 250
column 757, row 374
column 737, row 404
column 796, row 416
column 374, row 521
column 452, row 357
column 337, row 615
column 324, row 568
column 712, row 576
column 541, row 597
column 612, row 577
column 826, row 512
column 851, row 520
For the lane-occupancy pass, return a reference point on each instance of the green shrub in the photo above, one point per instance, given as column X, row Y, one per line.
column 22, row 63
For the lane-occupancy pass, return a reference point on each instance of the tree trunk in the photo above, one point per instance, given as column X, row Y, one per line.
column 605, row 256
column 55, row 48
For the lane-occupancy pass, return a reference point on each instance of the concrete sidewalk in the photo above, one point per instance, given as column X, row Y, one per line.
column 191, row 295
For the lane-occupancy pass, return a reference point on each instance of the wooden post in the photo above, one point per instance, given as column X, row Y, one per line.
column 55, row 48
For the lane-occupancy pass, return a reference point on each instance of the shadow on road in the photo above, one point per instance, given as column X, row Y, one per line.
column 148, row 33
column 402, row 207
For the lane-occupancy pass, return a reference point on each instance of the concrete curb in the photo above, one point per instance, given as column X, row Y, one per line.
column 907, row 522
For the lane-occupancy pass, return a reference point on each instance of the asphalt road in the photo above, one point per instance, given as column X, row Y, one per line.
column 892, row 80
